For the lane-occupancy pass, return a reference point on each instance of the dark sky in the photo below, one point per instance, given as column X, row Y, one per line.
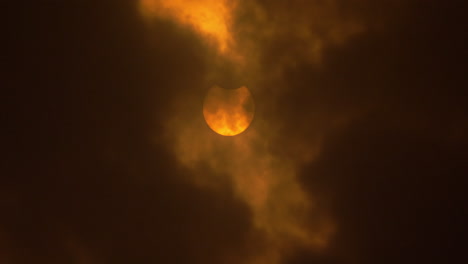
column 91, row 172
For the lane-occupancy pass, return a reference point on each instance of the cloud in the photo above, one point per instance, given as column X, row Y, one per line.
column 210, row 18
column 264, row 180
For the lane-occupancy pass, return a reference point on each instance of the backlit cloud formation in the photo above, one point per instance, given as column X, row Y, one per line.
column 264, row 180
column 210, row 18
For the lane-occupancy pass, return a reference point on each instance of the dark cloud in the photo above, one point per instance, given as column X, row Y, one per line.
column 396, row 192
column 393, row 176
column 89, row 176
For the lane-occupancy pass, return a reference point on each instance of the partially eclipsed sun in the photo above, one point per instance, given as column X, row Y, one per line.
column 228, row 112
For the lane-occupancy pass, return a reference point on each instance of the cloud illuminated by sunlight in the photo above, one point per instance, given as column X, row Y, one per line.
column 265, row 180
column 209, row 18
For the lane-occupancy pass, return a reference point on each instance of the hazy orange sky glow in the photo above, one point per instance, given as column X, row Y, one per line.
column 234, row 132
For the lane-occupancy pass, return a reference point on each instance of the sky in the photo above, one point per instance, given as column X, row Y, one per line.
column 356, row 153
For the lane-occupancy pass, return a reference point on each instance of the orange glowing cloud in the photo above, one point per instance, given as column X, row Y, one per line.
column 209, row 18
column 263, row 178
column 266, row 182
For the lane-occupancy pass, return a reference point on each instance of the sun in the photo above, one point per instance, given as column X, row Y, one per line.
column 228, row 112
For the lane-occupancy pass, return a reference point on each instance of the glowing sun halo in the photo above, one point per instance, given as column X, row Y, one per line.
column 228, row 112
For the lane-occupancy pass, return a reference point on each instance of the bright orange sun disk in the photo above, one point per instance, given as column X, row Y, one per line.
column 228, row 112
